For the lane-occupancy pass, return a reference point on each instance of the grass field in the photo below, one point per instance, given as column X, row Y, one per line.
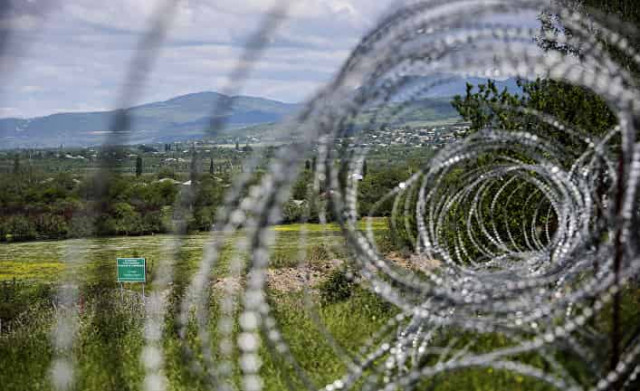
column 44, row 261
column 109, row 340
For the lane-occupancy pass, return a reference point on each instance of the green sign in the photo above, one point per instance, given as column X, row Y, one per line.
column 132, row 270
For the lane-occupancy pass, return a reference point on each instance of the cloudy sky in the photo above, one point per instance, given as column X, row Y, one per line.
column 71, row 55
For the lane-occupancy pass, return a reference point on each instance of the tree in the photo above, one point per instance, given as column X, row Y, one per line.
column 364, row 169
column 193, row 170
column 571, row 105
column 627, row 11
column 211, row 167
column 301, row 186
column 16, row 164
column 138, row 165
column 207, row 198
column 237, row 145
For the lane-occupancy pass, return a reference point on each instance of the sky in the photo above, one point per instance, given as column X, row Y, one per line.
column 72, row 55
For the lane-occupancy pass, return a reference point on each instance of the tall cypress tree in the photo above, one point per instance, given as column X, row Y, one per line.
column 16, row 164
column 139, row 165
column 193, row 169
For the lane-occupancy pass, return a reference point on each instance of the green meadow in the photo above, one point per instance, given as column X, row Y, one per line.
column 43, row 262
column 109, row 340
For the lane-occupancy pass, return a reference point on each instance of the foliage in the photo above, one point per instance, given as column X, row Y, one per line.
column 626, row 11
column 16, row 297
column 138, row 165
column 208, row 197
column 63, row 206
column 570, row 105
column 378, row 183
column 293, row 211
column 338, row 287
column 52, row 196
column 166, row 172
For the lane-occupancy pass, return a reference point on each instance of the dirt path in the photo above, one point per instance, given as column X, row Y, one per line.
column 293, row 279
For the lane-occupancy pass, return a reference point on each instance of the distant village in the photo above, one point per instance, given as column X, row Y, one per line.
column 415, row 136
column 399, row 135
column 179, row 154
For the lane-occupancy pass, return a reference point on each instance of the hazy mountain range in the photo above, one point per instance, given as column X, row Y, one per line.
column 185, row 117
column 173, row 119
column 458, row 86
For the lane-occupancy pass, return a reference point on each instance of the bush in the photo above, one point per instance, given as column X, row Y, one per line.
column 203, row 218
column 21, row 228
column 81, row 226
column 338, row 287
column 396, row 239
column 292, row 213
column 51, row 226
column 17, row 297
column 166, row 172
column 153, row 222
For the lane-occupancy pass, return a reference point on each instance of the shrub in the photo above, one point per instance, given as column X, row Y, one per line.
column 18, row 297
column 81, row 226
column 51, row 226
column 319, row 252
column 166, row 172
column 338, row 287
column 292, row 213
column 21, row 228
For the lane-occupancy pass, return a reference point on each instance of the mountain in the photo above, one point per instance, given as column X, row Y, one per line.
column 184, row 117
column 458, row 86
column 447, row 86
column 178, row 118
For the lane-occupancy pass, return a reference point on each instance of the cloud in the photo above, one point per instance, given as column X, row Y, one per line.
column 29, row 89
column 8, row 112
column 74, row 54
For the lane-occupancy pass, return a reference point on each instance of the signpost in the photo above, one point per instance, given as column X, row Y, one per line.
column 132, row 270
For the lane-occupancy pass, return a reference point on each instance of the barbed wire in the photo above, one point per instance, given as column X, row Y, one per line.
column 536, row 282
column 570, row 258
